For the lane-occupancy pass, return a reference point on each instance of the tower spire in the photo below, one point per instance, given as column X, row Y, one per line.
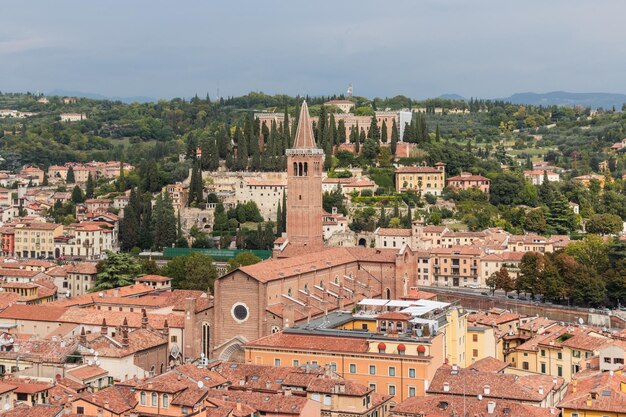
column 304, row 133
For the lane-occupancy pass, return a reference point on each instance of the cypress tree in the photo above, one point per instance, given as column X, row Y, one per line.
column 130, row 223
column 77, row 195
column 254, row 150
column 284, row 212
column 44, row 182
column 279, row 220
column 90, row 187
column 321, row 128
column 383, row 132
column 332, row 130
column 146, row 237
column 374, row 132
column 164, row 222
column 195, row 186
column 341, row 132
column 241, row 163
column 70, row 176
column 437, row 133
column 394, row 137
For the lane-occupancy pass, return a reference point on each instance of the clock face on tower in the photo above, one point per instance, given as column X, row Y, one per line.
column 240, row 312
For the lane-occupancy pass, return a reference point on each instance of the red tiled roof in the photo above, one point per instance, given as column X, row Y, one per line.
column 394, row 232
column 606, row 389
column 489, row 364
column 85, row 372
column 282, row 340
column 118, row 398
column 448, row 405
column 265, row 403
column 39, row 410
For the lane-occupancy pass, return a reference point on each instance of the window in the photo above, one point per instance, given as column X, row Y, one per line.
column 166, row 401
column 474, row 338
column 155, row 399
column 392, row 390
column 525, row 366
column 392, row 371
column 618, row 360
column 559, row 370
column 607, row 360
column 353, row 368
column 373, row 386
column 296, row 362
column 80, row 410
column 372, row 369
column 411, row 372
column 142, row 398
column 276, row 362
column 333, row 366
column 543, row 352
column 559, row 355
column 543, row 367
column 173, row 339
column 185, row 410
column 411, row 391
column 576, row 353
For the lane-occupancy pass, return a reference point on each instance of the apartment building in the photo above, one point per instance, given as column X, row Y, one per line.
column 422, row 179
column 36, row 239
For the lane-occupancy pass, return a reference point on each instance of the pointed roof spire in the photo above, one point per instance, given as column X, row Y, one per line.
column 304, row 133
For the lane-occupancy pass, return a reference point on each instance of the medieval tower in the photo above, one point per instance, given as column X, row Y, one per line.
column 304, row 186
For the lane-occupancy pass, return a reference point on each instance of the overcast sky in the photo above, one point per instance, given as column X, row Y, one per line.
column 166, row 49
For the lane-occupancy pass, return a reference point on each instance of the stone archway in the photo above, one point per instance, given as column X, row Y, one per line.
column 363, row 242
column 233, row 352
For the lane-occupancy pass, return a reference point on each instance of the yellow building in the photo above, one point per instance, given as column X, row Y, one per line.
column 560, row 351
column 422, row 179
column 395, row 353
column 481, row 342
column 36, row 239
column 600, row 394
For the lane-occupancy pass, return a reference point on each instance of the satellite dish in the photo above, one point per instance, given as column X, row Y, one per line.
column 581, row 321
column 480, row 397
column 200, row 384
column 11, row 340
column 97, row 363
column 89, row 362
column 202, row 355
column 96, row 353
column 100, row 294
column 91, row 350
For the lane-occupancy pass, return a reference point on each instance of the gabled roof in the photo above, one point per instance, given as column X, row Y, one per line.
column 117, row 399
column 598, row 392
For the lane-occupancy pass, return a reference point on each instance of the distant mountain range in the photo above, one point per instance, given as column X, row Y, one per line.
column 560, row 98
column 95, row 96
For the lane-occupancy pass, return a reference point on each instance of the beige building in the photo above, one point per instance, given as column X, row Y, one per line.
column 36, row 239
column 345, row 106
column 422, row 179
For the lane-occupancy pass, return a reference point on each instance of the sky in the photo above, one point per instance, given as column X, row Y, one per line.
column 165, row 49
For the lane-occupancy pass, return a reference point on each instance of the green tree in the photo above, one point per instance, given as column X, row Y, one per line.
column 164, row 222
column 77, row 195
column 191, row 272
column 243, row 259
column 70, row 179
column 90, row 187
column 530, row 267
column 395, row 136
column 561, row 218
column 195, row 186
column 604, row 224
column 117, row 270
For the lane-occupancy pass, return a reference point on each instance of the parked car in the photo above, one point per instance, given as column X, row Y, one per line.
column 484, row 293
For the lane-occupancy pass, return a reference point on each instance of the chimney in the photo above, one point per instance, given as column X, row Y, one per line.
column 104, row 329
column 540, row 390
column 268, row 384
column 125, row 341
column 150, row 385
column 238, row 404
column 446, row 387
column 83, row 336
column 491, row 407
column 455, row 369
column 144, row 319
column 486, row 390
column 166, row 328
column 116, row 292
column 67, row 408
column 574, row 383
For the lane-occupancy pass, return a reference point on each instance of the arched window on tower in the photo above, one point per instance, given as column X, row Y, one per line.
column 295, row 168
column 306, row 169
column 299, row 169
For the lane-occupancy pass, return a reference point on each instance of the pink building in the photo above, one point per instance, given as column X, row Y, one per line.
column 466, row 180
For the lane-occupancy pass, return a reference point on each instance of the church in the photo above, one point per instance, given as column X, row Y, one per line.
column 304, row 279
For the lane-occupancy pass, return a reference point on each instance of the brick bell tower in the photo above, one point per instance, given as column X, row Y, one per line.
column 305, row 162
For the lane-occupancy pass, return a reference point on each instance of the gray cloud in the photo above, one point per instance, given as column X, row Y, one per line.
column 483, row 48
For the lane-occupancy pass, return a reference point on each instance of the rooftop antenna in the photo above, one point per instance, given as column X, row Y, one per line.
column 350, row 90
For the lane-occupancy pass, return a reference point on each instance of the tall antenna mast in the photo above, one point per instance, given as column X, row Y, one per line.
column 350, row 90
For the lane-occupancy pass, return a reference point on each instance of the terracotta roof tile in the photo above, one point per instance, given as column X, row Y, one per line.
column 449, row 405
column 312, row 342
